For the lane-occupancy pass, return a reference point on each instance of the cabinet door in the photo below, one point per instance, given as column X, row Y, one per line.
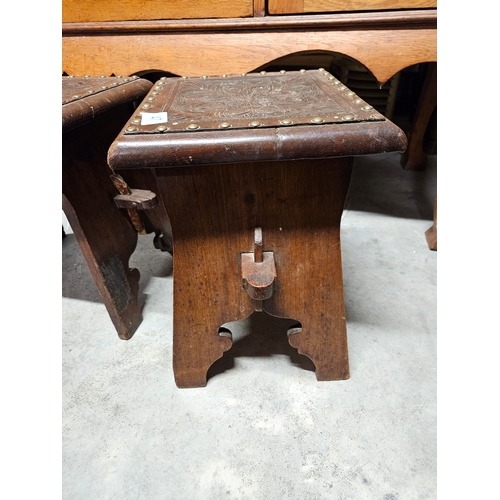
column 78, row 11
column 316, row 6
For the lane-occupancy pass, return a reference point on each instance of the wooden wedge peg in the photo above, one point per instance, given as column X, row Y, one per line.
column 258, row 270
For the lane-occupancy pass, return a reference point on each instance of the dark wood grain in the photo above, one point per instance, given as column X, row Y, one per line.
column 214, row 211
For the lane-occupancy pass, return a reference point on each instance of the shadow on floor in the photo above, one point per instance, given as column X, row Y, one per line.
column 259, row 335
column 379, row 184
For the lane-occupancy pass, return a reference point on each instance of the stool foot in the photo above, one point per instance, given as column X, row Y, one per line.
column 331, row 360
column 193, row 357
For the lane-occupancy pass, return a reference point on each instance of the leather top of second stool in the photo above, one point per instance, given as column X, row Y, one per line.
column 85, row 97
column 253, row 117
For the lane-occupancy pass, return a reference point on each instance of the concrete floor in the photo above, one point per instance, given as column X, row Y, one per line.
column 264, row 428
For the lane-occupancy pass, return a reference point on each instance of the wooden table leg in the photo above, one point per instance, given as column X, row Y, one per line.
column 214, row 211
column 431, row 233
column 415, row 157
column 106, row 236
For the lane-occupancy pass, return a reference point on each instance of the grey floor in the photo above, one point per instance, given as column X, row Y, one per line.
column 264, row 428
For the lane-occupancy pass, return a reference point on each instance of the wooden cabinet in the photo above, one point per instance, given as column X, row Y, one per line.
column 215, row 37
column 78, row 11
column 312, row 6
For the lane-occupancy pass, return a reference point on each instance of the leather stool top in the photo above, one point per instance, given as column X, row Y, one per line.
column 85, row 97
column 253, row 117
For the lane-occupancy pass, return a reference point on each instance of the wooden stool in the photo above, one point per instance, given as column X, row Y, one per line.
column 254, row 171
column 93, row 112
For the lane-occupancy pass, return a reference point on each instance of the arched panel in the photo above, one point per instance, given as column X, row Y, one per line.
column 383, row 52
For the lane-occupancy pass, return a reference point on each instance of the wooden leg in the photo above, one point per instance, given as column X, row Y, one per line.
column 322, row 336
column 309, row 266
column 415, row 157
column 214, row 211
column 431, row 233
column 106, row 236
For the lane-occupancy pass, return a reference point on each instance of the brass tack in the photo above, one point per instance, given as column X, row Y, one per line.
column 163, row 78
column 158, row 88
column 243, row 74
column 342, row 88
column 224, row 125
column 193, row 126
column 331, row 77
column 317, row 119
column 155, row 93
column 286, row 122
column 184, row 77
column 146, row 106
column 151, row 99
column 204, row 77
column 321, row 69
column 350, row 94
column 136, row 121
column 263, row 72
column 282, row 71
column 367, row 108
column 104, row 76
column 161, row 128
column 160, row 83
column 255, row 124
column 131, row 129
column 76, row 97
column 358, row 101
column 224, row 76
column 90, row 91
column 71, row 76
column 86, row 76
column 119, row 76
column 303, row 70
column 348, row 117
